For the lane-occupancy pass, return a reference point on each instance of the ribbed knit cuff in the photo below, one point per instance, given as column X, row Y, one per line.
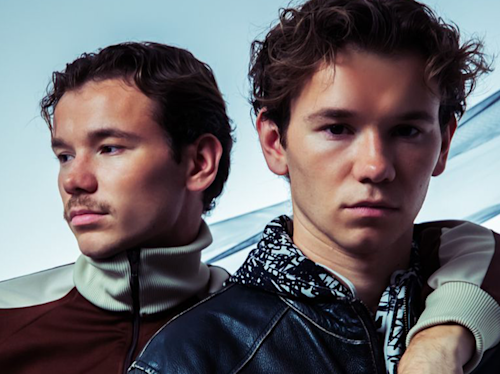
column 464, row 304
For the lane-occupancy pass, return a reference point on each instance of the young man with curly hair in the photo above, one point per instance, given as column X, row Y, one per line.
column 356, row 104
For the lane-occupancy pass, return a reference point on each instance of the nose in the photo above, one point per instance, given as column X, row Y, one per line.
column 373, row 162
column 78, row 177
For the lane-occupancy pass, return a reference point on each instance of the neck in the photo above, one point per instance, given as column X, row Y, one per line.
column 368, row 266
column 184, row 230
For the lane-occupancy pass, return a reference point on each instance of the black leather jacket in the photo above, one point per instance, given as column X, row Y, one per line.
column 285, row 317
column 244, row 330
column 247, row 331
column 282, row 314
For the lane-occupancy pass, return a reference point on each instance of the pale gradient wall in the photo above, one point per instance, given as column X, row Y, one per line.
column 38, row 37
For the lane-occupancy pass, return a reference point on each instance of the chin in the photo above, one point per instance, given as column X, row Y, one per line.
column 366, row 240
column 96, row 249
column 363, row 245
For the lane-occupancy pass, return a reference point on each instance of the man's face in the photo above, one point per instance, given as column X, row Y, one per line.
column 118, row 181
column 362, row 144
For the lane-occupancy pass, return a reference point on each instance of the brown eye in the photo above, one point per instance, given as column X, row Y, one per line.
column 63, row 158
column 338, row 130
column 406, row 131
column 110, row 149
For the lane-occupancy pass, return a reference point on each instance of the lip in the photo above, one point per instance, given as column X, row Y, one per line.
column 380, row 204
column 83, row 217
column 371, row 209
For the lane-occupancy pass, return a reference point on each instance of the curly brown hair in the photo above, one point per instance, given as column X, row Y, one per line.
column 312, row 34
column 188, row 101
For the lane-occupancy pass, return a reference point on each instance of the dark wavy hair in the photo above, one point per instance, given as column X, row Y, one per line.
column 313, row 33
column 188, row 101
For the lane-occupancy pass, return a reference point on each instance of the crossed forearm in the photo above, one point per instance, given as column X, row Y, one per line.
column 442, row 349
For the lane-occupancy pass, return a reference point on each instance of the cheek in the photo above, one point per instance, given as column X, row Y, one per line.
column 143, row 185
column 303, row 175
column 417, row 175
column 315, row 184
column 60, row 186
column 420, row 159
column 152, row 186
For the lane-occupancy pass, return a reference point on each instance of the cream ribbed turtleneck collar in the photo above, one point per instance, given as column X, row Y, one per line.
column 167, row 277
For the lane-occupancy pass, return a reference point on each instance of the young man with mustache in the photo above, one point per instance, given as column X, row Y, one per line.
column 356, row 103
column 143, row 141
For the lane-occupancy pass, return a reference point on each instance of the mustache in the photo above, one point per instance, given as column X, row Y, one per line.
column 85, row 202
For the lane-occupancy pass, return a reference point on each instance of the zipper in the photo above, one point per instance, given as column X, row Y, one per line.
column 377, row 353
column 405, row 312
column 133, row 258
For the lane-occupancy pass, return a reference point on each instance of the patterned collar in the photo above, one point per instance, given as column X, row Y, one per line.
column 278, row 266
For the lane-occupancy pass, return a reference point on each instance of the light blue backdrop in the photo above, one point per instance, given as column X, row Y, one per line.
column 38, row 37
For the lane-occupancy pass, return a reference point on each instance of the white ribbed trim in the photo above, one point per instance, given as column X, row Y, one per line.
column 167, row 277
column 465, row 304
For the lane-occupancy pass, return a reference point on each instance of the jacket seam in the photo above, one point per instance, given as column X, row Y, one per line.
column 352, row 341
column 259, row 341
column 16, row 286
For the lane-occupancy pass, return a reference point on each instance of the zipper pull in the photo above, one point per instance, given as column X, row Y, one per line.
column 133, row 259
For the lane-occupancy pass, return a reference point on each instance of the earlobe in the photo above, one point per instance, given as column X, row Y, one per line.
column 270, row 142
column 446, row 137
column 205, row 154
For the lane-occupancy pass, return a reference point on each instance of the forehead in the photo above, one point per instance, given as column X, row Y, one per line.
column 369, row 84
column 104, row 104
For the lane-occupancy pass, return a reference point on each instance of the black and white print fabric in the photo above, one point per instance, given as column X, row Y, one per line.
column 277, row 265
column 392, row 311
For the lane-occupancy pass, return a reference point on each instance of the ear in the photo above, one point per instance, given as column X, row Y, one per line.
column 445, row 146
column 270, row 142
column 204, row 156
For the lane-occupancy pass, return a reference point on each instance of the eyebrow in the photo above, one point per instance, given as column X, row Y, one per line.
column 98, row 135
column 417, row 115
column 332, row 113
